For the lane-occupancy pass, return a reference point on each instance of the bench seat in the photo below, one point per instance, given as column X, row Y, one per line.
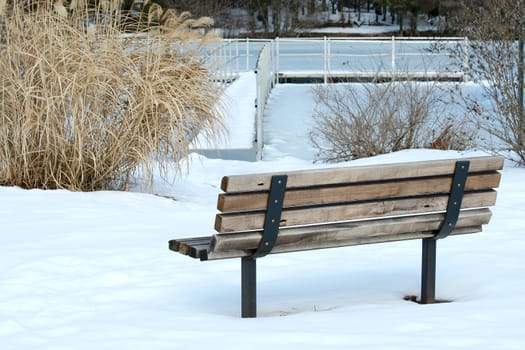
column 238, row 245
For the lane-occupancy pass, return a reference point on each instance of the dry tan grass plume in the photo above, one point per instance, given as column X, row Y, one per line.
column 84, row 112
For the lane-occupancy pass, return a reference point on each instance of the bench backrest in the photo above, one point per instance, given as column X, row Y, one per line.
column 362, row 204
column 343, row 194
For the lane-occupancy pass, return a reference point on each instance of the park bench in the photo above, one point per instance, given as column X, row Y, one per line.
column 263, row 214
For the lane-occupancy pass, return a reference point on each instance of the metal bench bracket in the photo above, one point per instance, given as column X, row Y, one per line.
column 273, row 215
column 429, row 247
column 269, row 236
column 454, row 200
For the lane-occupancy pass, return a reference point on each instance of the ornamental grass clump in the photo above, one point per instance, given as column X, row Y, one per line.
column 83, row 107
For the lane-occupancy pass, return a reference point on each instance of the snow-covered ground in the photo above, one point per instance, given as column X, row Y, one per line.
column 93, row 270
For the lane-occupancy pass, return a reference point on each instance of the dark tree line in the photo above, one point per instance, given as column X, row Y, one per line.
column 281, row 17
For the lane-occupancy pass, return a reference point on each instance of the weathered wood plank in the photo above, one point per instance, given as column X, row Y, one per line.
column 175, row 244
column 196, row 251
column 355, row 192
column 212, row 255
column 317, row 177
column 191, row 246
column 193, row 250
column 373, row 239
column 348, row 231
column 345, row 212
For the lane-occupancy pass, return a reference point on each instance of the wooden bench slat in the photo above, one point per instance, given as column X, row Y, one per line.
column 194, row 251
column 318, row 177
column 344, row 232
column 356, row 192
column 344, row 212
column 176, row 243
column 216, row 255
column 197, row 251
column 191, row 246
column 373, row 239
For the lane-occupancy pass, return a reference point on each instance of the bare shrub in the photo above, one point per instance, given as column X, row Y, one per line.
column 83, row 107
column 496, row 57
column 362, row 120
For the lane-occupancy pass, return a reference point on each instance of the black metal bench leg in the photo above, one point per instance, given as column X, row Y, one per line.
column 428, row 271
column 249, row 287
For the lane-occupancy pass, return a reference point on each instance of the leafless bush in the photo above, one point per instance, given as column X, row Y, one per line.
column 496, row 34
column 82, row 107
column 362, row 120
